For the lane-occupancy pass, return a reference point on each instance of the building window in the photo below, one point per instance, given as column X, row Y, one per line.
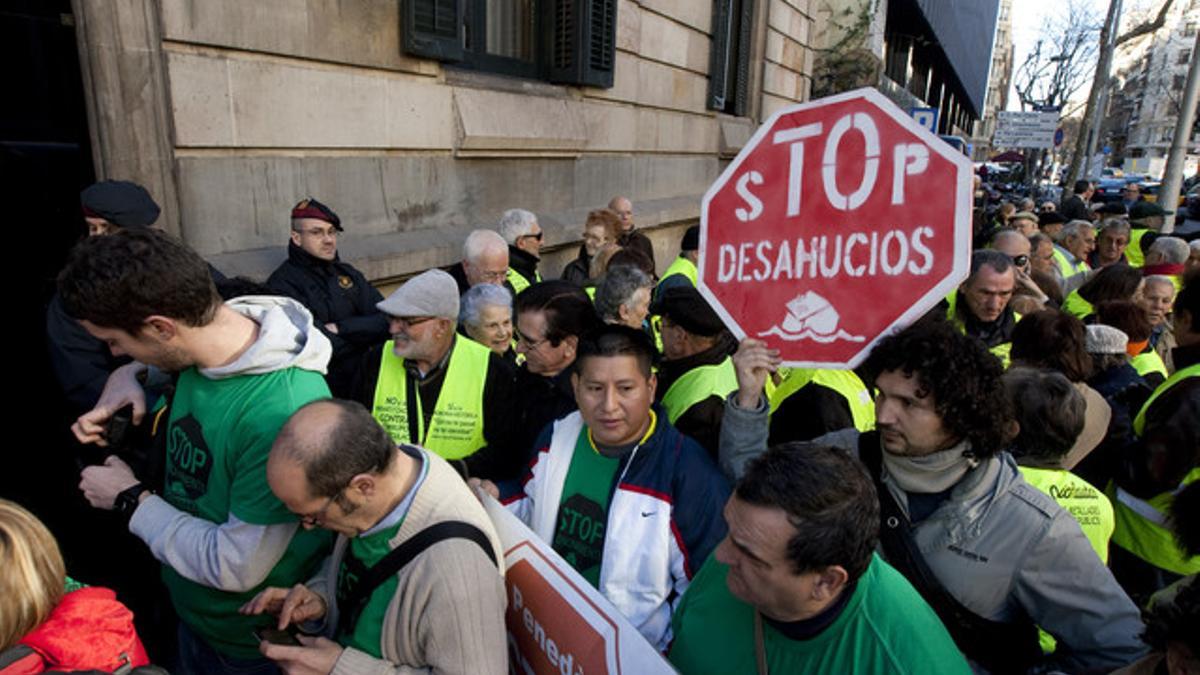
column 1184, row 57
column 563, row 41
column 1179, row 82
column 1189, row 29
column 729, row 60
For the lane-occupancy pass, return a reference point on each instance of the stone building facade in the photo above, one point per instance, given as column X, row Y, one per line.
column 231, row 111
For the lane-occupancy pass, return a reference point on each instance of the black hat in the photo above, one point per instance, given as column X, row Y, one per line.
column 1113, row 209
column 691, row 239
column 120, row 202
column 1051, row 218
column 685, row 306
column 1147, row 210
column 311, row 208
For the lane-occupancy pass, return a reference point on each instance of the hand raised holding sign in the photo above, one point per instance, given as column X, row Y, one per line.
column 754, row 362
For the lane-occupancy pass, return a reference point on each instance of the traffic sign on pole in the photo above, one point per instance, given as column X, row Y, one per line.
column 840, row 220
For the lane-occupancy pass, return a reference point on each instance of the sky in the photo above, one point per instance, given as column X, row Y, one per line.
column 1030, row 16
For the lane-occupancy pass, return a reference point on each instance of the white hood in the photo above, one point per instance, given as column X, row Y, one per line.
column 286, row 338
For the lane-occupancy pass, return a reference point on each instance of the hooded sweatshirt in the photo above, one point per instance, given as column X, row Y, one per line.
column 217, row 528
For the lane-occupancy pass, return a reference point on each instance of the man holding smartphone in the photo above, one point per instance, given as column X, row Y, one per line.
column 415, row 580
column 243, row 367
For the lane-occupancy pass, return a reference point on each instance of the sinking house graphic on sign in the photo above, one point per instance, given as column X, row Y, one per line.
column 811, row 317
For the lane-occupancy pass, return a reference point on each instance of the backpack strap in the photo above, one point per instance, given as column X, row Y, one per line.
column 998, row 647
column 356, row 597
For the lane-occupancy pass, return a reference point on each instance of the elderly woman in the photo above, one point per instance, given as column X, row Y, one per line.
column 624, row 296
column 602, row 227
column 485, row 314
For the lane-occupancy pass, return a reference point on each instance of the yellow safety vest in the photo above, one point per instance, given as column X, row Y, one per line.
column 697, row 385
column 1001, row 351
column 1075, row 304
column 1083, row 501
column 1134, row 254
column 844, row 382
column 1141, row 523
column 1149, row 362
column 518, row 280
column 1066, row 267
column 1087, row 505
column 681, row 265
column 456, row 427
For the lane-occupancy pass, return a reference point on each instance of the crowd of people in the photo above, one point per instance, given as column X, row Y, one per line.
column 1009, row 484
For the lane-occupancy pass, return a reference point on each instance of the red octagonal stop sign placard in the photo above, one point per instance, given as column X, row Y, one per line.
column 840, row 220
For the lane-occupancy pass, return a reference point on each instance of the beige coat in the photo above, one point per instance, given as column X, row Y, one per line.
column 447, row 615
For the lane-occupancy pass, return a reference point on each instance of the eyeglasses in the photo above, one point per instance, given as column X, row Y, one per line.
column 537, row 236
column 315, row 519
column 410, row 321
column 1020, row 260
column 530, row 345
column 494, row 277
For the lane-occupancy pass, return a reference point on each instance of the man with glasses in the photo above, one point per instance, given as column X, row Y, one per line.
column 336, row 468
column 551, row 318
column 630, row 238
column 1019, row 250
column 340, row 298
column 430, row 386
column 484, row 261
column 523, row 235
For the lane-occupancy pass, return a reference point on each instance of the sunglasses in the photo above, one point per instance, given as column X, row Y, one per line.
column 1020, row 260
column 537, row 236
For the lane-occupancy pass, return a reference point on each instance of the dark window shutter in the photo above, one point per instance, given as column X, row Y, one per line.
column 718, row 65
column 433, row 28
column 583, row 42
column 742, row 85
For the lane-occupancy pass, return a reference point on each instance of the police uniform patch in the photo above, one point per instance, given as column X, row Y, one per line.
column 345, row 281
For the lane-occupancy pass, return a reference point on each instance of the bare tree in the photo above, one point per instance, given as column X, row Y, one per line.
column 1060, row 60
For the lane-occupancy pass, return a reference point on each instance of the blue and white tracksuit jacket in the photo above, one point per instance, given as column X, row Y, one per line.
column 664, row 519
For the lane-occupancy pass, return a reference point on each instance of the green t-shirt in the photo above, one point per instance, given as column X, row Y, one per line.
column 218, row 438
column 368, row 629
column 368, row 549
column 885, row 627
column 583, row 512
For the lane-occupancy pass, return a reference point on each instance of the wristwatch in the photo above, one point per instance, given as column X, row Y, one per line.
column 127, row 501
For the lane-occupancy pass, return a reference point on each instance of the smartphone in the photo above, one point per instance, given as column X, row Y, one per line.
column 276, row 636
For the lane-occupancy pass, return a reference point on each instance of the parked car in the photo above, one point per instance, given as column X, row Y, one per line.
column 1109, row 190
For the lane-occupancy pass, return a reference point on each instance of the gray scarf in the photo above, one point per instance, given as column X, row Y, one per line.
column 935, row 472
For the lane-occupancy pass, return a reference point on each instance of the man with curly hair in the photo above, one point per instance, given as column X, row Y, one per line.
column 991, row 554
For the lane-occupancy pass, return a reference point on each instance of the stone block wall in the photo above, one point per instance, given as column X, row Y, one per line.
column 265, row 102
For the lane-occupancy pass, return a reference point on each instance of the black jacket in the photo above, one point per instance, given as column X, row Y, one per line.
column 501, row 458
column 1170, row 443
column 81, row 362
column 702, row 421
column 524, row 263
column 335, row 293
column 1074, row 209
column 636, row 241
column 577, row 271
column 541, row 400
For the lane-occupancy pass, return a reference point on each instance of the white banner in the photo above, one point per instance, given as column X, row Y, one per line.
column 558, row 624
column 1017, row 129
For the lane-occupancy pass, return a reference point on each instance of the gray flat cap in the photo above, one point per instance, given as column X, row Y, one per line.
column 1103, row 339
column 430, row 293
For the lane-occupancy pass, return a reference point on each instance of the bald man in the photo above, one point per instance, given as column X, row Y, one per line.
column 630, row 238
column 335, row 467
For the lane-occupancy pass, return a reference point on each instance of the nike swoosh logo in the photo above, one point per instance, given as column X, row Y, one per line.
column 648, row 514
